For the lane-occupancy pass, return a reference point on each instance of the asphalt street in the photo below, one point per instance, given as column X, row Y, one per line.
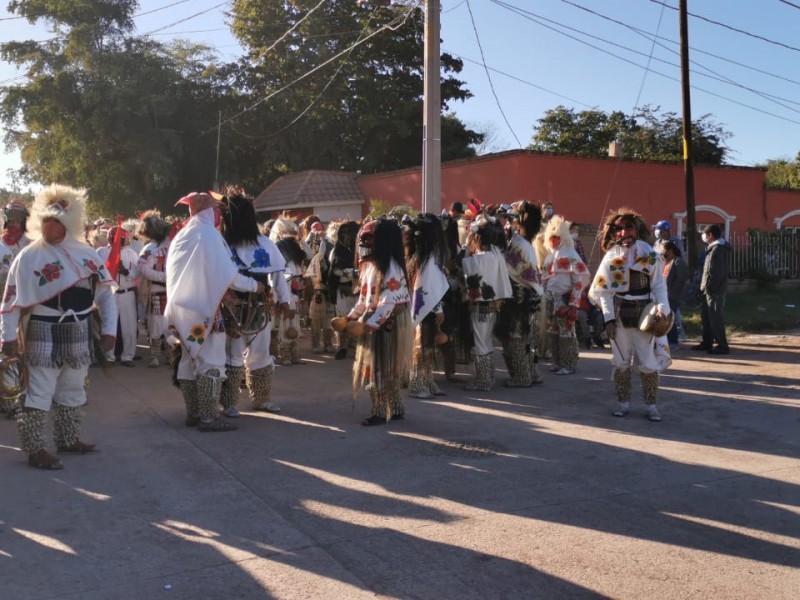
column 514, row 493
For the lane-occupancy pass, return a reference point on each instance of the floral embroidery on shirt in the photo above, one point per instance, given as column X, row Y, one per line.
column 563, row 263
column 89, row 264
column 197, row 333
column 393, row 285
column 50, row 272
column 11, row 291
column 260, row 258
column 419, row 300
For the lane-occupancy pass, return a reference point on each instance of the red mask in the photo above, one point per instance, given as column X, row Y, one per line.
column 12, row 234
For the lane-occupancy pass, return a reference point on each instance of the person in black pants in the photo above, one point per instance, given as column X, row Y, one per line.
column 713, row 286
column 676, row 274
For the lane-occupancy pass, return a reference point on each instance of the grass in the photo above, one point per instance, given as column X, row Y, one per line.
column 757, row 310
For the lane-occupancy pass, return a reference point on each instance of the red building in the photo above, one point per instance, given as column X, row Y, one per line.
column 585, row 189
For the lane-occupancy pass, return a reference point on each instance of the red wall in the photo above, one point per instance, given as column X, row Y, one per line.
column 584, row 190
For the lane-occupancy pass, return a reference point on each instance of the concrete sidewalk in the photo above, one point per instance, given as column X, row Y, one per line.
column 514, row 493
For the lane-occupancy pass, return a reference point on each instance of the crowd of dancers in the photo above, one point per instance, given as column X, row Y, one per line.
column 223, row 298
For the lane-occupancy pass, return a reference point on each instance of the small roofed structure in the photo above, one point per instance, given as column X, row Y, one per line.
column 329, row 194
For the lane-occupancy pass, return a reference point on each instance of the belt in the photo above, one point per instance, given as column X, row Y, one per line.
column 130, row 289
column 59, row 318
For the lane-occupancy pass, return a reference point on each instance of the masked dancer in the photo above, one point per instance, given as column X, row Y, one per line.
column 383, row 351
column 57, row 280
column 628, row 279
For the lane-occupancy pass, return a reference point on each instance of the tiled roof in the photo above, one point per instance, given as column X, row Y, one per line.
column 311, row 188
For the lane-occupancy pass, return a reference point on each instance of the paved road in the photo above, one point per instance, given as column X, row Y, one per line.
column 535, row 493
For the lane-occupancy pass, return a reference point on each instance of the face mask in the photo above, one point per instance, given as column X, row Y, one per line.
column 548, row 212
column 704, row 237
column 657, row 232
column 574, row 235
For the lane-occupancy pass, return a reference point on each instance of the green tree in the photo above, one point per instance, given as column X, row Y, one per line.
column 648, row 134
column 362, row 111
column 784, row 174
column 105, row 110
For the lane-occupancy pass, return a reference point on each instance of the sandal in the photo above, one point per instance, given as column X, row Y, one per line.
column 215, row 426
column 374, row 420
column 42, row 459
column 78, row 447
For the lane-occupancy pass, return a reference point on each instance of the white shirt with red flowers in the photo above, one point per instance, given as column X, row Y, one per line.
column 379, row 294
column 565, row 273
column 41, row 271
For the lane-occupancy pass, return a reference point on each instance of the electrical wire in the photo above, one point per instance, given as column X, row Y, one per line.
column 649, row 37
column 692, row 48
column 394, row 24
column 189, row 18
column 522, row 13
column 316, row 98
column 148, row 12
column 731, row 27
column 489, row 77
column 792, row 4
column 236, row 75
column 514, row 77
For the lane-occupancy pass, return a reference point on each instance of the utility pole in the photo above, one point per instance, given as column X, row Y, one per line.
column 432, row 121
column 688, row 172
column 216, row 170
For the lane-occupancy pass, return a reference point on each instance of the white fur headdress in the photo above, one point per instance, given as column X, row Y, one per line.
column 557, row 226
column 63, row 203
column 283, row 227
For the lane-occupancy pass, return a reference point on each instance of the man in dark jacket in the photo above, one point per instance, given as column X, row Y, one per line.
column 713, row 286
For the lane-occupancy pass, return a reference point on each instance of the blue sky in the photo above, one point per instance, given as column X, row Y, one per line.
column 542, row 53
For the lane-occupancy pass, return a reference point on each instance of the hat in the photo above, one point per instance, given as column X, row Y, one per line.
column 65, row 204
column 197, row 202
column 663, row 225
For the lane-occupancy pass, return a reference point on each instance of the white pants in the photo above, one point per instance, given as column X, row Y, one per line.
column 212, row 356
column 254, row 355
column 63, row 386
column 126, row 305
column 483, row 333
column 633, row 347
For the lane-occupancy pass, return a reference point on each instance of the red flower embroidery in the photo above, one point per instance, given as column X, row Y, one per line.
column 11, row 291
column 578, row 286
column 51, row 271
column 364, row 289
column 580, row 267
column 90, row 265
column 393, row 285
column 563, row 263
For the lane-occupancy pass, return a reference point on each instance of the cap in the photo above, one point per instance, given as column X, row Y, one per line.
column 663, row 225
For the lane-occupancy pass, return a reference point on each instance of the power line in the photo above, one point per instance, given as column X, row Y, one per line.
column 394, row 24
column 522, row 13
column 489, row 77
column 147, row 12
column 314, row 101
column 189, row 18
column 279, row 40
column 732, row 28
column 649, row 36
column 514, row 77
column 792, row 4
column 716, row 76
